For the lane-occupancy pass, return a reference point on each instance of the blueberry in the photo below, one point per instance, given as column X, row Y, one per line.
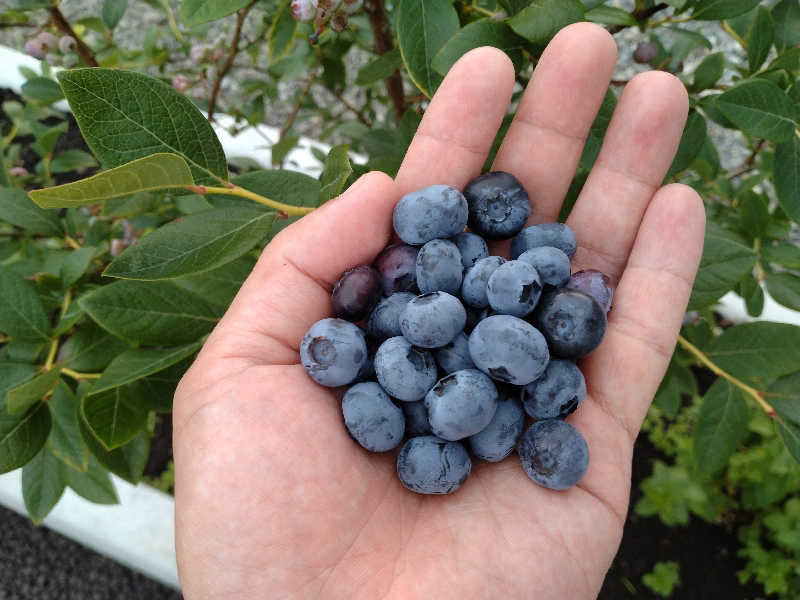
column 430, row 465
column 498, row 439
column 498, row 205
column 438, row 211
column 645, row 52
column 384, row 320
column 372, row 418
column 416, row 418
column 572, row 322
column 454, row 356
column 551, row 264
column 397, row 266
column 432, row 320
column 461, row 404
column 508, row 349
column 476, row 280
column 596, row 284
column 554, row 454
column 514, row 288
column 333, row 352
column 439, row 267
column 356, row 293
column 472, row 248
column 557, row 235
column 404, row 371
column 557, row 393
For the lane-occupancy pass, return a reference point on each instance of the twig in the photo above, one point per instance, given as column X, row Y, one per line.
column 76, row 375
column 749, row 163
column 640, row 15
column 293, row 115
column 234, row 190
column 379, row 23
column 173, row 25
column 237, row 34
column 350, row 107
column 752, row 392
column 81, row 48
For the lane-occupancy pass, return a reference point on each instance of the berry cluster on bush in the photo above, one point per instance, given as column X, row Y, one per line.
column 459, row 346
column 55, row 50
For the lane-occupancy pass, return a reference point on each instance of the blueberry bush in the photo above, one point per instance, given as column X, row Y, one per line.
column 118, row 257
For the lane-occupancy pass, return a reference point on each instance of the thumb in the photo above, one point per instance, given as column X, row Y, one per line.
column 290, row 286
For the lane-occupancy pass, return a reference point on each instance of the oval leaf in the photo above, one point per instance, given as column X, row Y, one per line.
column 761, row 350
column 95, row 484
column 65, row 438
column 17, row 209
column 721, row 426
column 194, row 244
column 723, row 264
column 115, row 416
column 155, row 313
column 787, row 176
column 610, row 15
column 484, row 32
column 542, row 19
column 23, row 397
column 785, row 288
column 127, row 461
column 21, row 437
column 197, row 12
column 154, row 172
column 423, row 27
column 281, row 33
column 42, row 485
column 716, row 10
column 760, row 108
column 759, row 39
column 380, row 68
column 22, row 315
column 125, row 115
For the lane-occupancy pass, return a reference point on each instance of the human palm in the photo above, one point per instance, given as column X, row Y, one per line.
column 274, row 500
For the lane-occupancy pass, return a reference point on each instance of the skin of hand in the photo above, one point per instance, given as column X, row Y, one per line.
column 275, row 500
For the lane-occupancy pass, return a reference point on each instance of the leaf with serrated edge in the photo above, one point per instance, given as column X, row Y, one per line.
column 115, row 416
column 137, row 363
column 721, row 426
column 65, row 440
column 156, row 313
column 154, row 172
column 124, row 115
column 42, row 485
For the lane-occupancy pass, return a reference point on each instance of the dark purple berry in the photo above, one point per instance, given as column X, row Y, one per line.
column 645, row 52
column 596, row 284
column 356, row 293
column 397, row 267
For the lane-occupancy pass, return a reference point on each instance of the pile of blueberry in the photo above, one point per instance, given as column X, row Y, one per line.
column 463, row 344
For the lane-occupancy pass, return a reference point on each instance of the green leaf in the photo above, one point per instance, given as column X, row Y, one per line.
column 790, row 434
column 125, row 115
column 484, row 32
column 22, row 436
column 723, row 264
column 708, row 72
column 65, row 440
column 760, row 108
column 127, row 461
column 610, row 15
column 760, row 350
column 11, row 376
column 42, row 485
column 159, row 388
column 694, row 134
column 786, row 15
column 197, row 12
column 112, row 12
column 663, row 579
column 784, row 396
column 218, row 287
column 115, row 416
column 716, row 10
column 759, row 39
column 692, row 37
column 721, row 426
column 137, row 363
column 95, row 484
column 23, row 397
column 753, row 295
column 785, row 288
column 380, row 68
column 423, row 27
column 75, row 265
column 90, row 348
column 280, row 149
column 155, row 313
column 754, row 213
column 597, row 132
column 196, row 243
column 281, row 33
column 288, row 187
column 22, row 315
column 787, row 176
column 786, row 255
column 72, row 160
column 512, row 7
column 542, row 19
column 42, row 89
column 154, row 172
column 335, row 173
column 17, row 209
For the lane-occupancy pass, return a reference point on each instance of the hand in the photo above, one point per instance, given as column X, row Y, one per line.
column 275, row 500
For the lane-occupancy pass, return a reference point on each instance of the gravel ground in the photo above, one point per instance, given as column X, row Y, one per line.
column 38, row 564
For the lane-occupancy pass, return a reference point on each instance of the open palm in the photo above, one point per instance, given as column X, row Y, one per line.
column 274, row 500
